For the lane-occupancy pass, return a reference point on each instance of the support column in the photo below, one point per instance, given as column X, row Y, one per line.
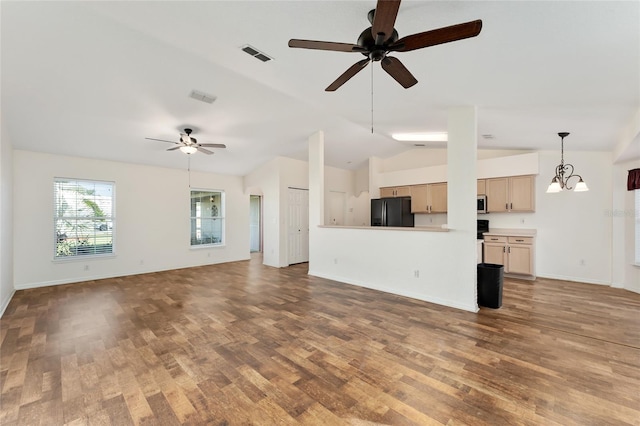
column 462, row 149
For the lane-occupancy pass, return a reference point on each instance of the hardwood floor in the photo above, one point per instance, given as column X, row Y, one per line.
column 241, row 343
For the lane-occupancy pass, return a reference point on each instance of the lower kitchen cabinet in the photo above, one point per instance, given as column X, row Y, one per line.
column 516, row 253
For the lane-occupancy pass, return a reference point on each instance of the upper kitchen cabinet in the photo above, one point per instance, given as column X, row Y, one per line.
column 431, row 198
column 482, row 187
column 510, row 194
column 395, row 191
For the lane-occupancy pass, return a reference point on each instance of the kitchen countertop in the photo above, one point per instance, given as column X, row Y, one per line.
column 508, row 232
column 390, row 228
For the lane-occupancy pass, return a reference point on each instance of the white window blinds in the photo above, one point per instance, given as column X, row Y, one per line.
column 83, row 218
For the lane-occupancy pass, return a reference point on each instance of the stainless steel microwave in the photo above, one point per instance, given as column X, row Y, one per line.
column 482, row 203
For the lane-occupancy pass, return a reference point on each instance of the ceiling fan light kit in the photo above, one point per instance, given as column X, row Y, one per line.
column 564, row 172
column 377, row 41
column 190, row 145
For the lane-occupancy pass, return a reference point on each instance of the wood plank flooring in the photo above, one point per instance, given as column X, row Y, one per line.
column 241, row 343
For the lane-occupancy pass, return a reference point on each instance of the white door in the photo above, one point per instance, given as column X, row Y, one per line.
column 254, row 224
column 298, row 226
column 337, row 207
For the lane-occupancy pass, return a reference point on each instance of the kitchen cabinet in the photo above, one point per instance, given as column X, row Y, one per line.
column 429, row 198
column 395, row 191
column 515, row 252
column 482, row 187
column 510, row 194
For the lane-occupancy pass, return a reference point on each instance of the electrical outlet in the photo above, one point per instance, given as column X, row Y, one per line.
column 86, row 267
column 582, row 262
column 416, row 273
column 522, row 221
column 209, row 254
column 142, row 261
column 335, row 261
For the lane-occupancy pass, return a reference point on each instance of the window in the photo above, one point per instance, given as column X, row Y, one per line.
column 84, row 218
column 207, row 218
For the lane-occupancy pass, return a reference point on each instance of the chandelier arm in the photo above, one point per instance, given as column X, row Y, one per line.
column 569, row 176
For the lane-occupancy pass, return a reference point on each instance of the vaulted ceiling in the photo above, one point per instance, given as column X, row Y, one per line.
column 94, row 79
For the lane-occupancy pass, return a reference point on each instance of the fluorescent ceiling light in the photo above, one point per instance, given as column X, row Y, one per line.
column 421, row 137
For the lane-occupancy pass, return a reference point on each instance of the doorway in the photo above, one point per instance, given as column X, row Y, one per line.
column 298, row 226
column 255, row 224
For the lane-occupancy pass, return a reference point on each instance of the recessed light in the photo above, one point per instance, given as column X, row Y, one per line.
column 421, row 137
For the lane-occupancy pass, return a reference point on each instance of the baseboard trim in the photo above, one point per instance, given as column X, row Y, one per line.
column 574, row 279
column 5, row 303
column 424, row 298
column 78, row 280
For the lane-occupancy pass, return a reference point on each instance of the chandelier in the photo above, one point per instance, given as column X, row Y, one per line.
column 564, row 172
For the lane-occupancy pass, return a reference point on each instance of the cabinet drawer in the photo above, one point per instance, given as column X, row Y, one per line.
column 520, row 240
column 494, row 239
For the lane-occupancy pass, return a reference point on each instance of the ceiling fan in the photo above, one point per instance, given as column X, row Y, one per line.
column 189, row 145
column 381, row 38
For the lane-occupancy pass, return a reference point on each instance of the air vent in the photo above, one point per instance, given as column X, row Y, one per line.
column 255, row 53
column 201, row 96
column 488, row 136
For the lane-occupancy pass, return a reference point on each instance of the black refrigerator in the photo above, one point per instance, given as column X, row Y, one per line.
column 391, row 212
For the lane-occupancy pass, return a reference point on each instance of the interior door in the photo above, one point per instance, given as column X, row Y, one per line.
column 298, row 226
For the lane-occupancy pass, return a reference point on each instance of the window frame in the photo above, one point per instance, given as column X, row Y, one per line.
column 221, row 216
column 107, row 219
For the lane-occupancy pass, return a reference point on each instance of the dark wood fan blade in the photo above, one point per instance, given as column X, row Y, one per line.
column 325, row 45
column 399, row 72
column 439, row 36
column 353, row 70
column 174, row 148
column 384, row 19
column 204, row 151
column 214, row 145
column 160, row 140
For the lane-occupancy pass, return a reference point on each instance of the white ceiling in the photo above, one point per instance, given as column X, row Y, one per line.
column 93, row 79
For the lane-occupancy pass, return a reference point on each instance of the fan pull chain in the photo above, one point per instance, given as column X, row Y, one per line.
column 372, row 99
column 189, row 168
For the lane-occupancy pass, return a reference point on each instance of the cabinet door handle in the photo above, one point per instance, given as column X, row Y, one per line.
column 506, row 206
column 511, row 206
column 504, row 249
column 509, row 249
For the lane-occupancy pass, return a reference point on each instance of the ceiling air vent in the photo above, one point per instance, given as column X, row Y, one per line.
column 255, row 53
column 201, row 96
column 488, row 136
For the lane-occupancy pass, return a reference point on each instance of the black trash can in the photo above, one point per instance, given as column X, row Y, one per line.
column 490, row 277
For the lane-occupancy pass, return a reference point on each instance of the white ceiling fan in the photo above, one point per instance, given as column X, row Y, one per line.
column 190, row 145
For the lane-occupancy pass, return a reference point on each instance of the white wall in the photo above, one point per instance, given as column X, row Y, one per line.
column 272, row 180
column 426, row 157
column 265, row 181
column 151, row 227
column 625, row 273
column 571, row 226
column 387, row 259
column 6, row 220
